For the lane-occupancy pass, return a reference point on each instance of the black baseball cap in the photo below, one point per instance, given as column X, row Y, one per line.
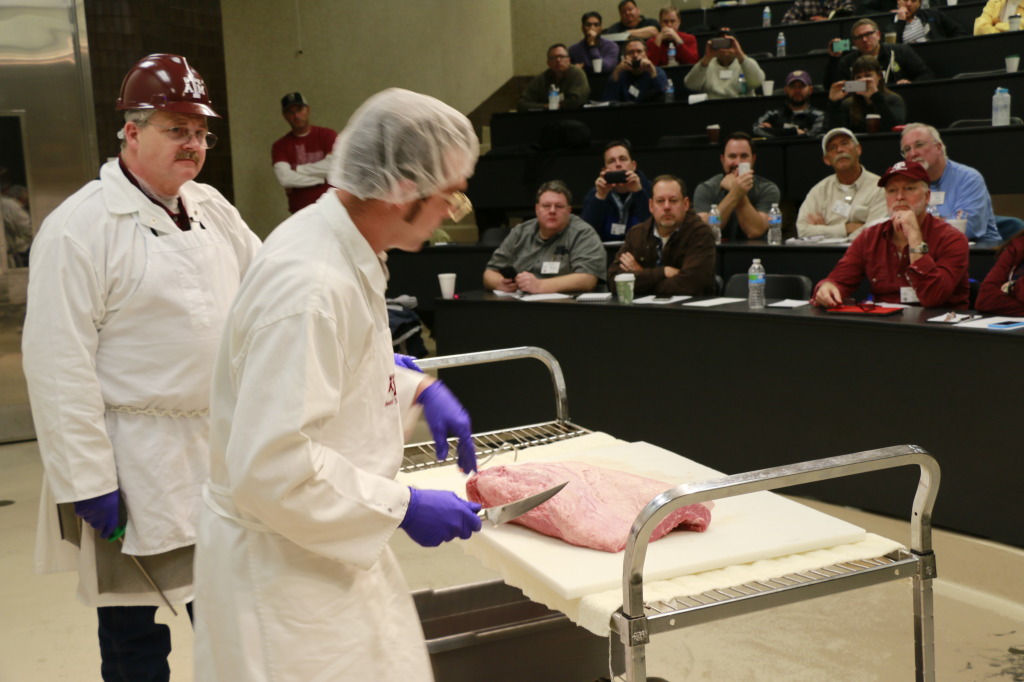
column 293, row 98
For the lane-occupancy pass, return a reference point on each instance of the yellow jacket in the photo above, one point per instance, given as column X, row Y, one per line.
column 989, row 21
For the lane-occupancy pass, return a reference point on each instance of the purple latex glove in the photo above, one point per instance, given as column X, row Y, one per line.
column 446, row 415
column 407, row 361
column 436, row 516
column 102, row 513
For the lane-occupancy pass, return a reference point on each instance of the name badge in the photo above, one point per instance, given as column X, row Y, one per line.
column 725, row 75
column 634, row 91
column 618, row 229
column 938, row 198
column 842, row 208
column 908, row 295
column 550, row 267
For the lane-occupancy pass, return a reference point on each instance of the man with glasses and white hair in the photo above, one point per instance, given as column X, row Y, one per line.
column 294, row 575
column 958, row 192
column 132, row 277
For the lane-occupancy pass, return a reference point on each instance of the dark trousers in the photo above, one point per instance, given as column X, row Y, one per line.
column 133, row 647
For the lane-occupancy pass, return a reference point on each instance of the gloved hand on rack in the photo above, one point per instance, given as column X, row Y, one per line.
column 446, row 415
column 407, row 361
column 436, row 516
column 102, row 513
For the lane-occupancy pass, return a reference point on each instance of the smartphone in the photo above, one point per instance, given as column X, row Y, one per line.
column 720, row 43
column 634, row 63
column 615, row 177
column 743, row 168
column 855, row 86
column 1006, row 324
column 507, row 271
column 841, row 45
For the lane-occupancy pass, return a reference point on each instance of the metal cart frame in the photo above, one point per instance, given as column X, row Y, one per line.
column 636, row 621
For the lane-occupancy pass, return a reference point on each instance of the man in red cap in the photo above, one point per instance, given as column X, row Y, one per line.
column 913, row 257
column 132, row 279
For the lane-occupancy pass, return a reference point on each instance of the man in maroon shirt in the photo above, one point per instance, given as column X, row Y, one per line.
column 300, row 157
column 913, row 257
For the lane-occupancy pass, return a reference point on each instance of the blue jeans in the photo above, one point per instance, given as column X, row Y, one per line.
column 133, row 647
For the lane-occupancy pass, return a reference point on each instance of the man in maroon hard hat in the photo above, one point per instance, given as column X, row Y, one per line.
column 132, row 277
column 912, row 258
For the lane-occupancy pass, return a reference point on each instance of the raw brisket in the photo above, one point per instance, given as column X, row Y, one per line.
column 595, row 510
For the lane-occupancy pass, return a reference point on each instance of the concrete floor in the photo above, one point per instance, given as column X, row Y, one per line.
column 865, row 635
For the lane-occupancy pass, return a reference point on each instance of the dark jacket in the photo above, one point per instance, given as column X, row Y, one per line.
column 888, row 105
column 691, row 248
column 908, row 65
column 941, row 26
column 602, row 214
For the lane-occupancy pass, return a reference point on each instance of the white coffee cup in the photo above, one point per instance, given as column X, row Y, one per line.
column 951, row 3
column 1015, row 22
column 958, row 223
column 447, row 282
column 597, row 65
column 1012, row 62
column 624, row 284
column 768, row 87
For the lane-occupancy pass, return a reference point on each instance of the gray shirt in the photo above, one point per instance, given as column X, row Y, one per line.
column 762, row 195
column 577, row 248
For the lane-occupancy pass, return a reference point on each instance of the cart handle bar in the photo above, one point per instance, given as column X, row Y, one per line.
column 517, row 353
column 771, row 479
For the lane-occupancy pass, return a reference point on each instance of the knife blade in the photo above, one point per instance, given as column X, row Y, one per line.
column 503, row 513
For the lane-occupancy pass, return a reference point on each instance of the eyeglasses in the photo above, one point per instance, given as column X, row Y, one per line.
column 459, row 205
column 179, row 135
column 865, row 36
column 866, row 306
column 558, row 56
column 917, row 146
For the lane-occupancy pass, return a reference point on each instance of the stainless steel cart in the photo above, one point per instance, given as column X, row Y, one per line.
column 634, row 623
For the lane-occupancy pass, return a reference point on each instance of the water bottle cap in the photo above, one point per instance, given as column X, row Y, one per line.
column 757, row 261
column 1000, row 91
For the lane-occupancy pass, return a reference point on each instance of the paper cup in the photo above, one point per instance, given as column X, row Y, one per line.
column 951, row 3
column 768, row 87
column 447, row 282
column 874, row 123
column 958, row 223
column 1015, row 22
column 890, row 38
column 1012, row 63
column 624, row 287
column 713, row 130
column 597, row 64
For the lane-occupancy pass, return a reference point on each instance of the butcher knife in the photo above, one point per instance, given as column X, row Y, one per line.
column 503, row 513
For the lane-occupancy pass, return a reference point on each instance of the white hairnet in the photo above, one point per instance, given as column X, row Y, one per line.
column 400, row 146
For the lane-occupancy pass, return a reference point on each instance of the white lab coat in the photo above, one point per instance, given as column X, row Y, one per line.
column 294, row 578
column 124, row 316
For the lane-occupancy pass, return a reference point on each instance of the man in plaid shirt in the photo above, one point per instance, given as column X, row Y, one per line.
column 818, row 10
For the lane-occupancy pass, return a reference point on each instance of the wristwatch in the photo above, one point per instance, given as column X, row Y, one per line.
column 922, row 249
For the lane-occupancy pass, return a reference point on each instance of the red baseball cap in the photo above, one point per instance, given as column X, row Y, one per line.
column 908, row 169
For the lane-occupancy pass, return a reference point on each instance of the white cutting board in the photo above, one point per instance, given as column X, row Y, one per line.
column 743, row 529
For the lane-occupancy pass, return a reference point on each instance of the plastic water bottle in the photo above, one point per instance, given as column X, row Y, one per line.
column 670, row 91
column 766, row 16
column 672, row 54
column 715, row 223
column 743, row 85
column 554, row 97
column 775, row 226
column 780, row 45
column 1001, row 107
column 755, row 285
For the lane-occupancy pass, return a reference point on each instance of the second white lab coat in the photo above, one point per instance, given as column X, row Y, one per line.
column 294, row 578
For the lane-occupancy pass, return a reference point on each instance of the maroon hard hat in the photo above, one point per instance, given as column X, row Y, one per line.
column 165, row 82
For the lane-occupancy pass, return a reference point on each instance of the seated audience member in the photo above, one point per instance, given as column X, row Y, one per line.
column 913, row 24
column 632, row 22
column 999, row 293
column 956, row 188
column 556, row 252
column 995, row 16
column 593, row 47
column 900, row 63
column 612, row 208
column 672, row 252
column 912, row 257
column 572, row 84
column 841, row 204
column 796, row 116
column 851, row 109
column 743, row 198
column 718, row 71
column 686, row 44
column 818, row 10
column 636, row 79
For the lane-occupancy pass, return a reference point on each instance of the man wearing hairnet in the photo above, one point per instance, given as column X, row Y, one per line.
column 294, row 577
